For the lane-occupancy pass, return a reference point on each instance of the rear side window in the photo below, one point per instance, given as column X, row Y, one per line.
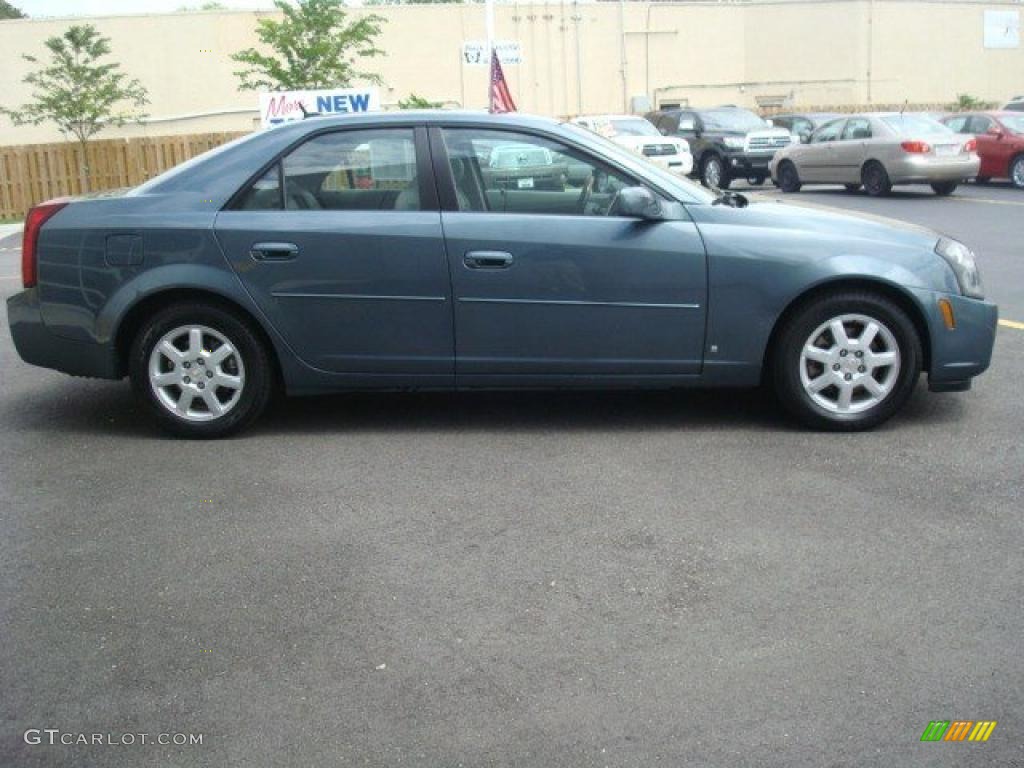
column 344, row 170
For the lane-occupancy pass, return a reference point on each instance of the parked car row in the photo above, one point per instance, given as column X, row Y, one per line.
column 874, row 151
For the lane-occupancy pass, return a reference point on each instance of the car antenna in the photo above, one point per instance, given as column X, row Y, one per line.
column 306, row 114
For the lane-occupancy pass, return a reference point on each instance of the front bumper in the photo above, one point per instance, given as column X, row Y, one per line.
column 38, row 346
column 960, row 354
column 918, row 169
column 681, row 164
column 742, row 164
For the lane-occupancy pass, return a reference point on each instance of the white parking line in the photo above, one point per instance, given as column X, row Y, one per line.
column 1012, row 324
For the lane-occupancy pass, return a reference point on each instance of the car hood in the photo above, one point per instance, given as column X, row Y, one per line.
column 816, row 219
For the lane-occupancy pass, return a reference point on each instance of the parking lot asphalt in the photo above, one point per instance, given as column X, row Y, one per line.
column 605, row 579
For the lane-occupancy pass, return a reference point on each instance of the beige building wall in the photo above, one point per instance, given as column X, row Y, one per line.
column 589, row 57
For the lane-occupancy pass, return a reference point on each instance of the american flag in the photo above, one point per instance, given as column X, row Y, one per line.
column 500, row 96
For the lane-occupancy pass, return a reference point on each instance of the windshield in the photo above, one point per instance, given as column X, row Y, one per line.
column 633, row 127
column 915, row 125
column 738, row 120
column 684, row 190
column 1014, row 124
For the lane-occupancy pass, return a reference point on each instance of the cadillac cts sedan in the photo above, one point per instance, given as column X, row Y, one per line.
column 385, row 251
column 878, row 151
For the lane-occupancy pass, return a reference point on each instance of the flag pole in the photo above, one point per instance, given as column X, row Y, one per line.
column 489, row 26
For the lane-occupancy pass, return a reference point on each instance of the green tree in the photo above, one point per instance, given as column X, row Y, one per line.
column 314, row 46
column 77, row 91
column 8, row 11
column 412, row 101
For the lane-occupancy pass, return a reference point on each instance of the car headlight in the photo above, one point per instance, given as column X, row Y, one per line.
column 961, row 259
column 734, row 142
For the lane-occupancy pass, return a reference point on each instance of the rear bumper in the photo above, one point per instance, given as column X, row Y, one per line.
column 960, row 354
column 924, row 170
column 38, row 346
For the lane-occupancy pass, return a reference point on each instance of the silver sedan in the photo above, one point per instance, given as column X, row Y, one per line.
column 878, row 151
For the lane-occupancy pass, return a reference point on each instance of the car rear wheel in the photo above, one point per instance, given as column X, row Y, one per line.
column 1017, row 172
column 875, row 179
column 200, row 371
column 846, row 361
column 789, row 179
column 713, row 173
column 945, row 188
column 755, row 181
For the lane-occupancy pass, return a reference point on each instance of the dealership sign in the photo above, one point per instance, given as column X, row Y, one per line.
column 286, row 106
column 476, row 52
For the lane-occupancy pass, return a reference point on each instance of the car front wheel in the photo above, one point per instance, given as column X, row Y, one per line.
column 789, row 179
column 200, row 370
column 846, row 361
column 713, row 173
column 945, row 188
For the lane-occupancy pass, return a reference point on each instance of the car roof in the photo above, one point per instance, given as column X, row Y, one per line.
column 611, row 117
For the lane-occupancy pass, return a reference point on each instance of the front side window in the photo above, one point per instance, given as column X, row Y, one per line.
column 361, row 170
column 506, row 172
column 828, row 132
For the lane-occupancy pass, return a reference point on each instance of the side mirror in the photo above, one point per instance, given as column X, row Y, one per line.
column 638, row 203
column 805, row 137
column 995, row 131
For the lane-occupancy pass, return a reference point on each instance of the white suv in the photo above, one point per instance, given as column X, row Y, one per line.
column 637, row 134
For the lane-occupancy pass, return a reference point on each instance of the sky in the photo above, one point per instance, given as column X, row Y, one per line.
column 108, row 7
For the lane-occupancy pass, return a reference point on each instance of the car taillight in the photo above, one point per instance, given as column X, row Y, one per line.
column 37, row 216
column 916, row 147
column 971, row 145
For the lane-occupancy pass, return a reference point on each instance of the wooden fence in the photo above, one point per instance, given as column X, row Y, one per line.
column 35, row 172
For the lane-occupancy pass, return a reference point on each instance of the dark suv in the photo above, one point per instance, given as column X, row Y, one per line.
column 726, row 142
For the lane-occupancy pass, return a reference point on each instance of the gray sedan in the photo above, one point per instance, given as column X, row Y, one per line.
column 878, row 151
column 373, row 252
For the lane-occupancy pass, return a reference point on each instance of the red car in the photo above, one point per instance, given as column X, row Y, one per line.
column 1000, row 143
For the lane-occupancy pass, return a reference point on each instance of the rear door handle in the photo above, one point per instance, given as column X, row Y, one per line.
column 487, row 260
column 274, row 251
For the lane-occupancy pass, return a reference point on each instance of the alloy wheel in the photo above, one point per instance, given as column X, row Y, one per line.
column 1017, row 172
column 850, row 364
column 713, row 172
column 196, row 373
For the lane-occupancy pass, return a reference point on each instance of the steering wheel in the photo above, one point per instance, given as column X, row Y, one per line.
column 585, row 193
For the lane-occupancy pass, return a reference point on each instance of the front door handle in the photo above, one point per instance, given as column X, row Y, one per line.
column 274, row 251
column 488, row 260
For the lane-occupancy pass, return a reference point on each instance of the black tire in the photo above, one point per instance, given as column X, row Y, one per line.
column 707, row 172
column 788, row 177
column 852, row 188
column 875, row 179
column 756, row 181
column 982, row 180
column 256, row 362
column 1017, row 171
column 786, row 360
column 945, row 188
